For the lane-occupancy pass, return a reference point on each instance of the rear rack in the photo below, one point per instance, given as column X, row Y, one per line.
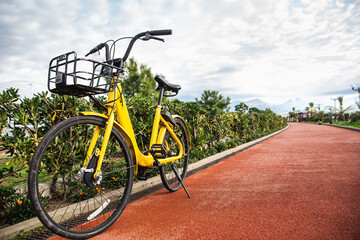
column 69, row 75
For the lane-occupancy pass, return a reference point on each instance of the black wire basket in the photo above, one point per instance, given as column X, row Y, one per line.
column 69, row 75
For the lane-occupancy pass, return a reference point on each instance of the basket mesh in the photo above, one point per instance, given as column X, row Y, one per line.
column 69, row 75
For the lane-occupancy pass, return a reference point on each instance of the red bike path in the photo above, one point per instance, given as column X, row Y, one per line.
column 301, row 184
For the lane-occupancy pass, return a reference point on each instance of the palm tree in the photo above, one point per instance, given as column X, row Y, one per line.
column 294, row 114
column 341, row 110
column 311, row 110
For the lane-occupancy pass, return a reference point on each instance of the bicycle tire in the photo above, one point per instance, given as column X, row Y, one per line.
column 64, row 200
column 168, row 177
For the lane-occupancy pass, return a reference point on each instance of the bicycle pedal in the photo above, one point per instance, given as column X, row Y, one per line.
column 158, row 151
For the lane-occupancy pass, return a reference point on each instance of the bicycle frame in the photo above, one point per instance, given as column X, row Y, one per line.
column 116, row 101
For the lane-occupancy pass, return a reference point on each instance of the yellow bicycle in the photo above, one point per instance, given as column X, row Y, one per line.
column 81, row 173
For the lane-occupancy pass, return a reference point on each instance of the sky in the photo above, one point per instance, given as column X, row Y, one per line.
column 273, row 50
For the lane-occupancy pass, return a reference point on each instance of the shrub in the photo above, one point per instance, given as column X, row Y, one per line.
column 212, row 130
column 354, row 116
column 14, row 207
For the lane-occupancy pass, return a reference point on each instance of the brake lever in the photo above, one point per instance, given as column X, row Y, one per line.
column 159, row 39
column 95, row 49
column 147, row 37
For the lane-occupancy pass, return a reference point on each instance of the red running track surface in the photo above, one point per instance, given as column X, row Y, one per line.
column 301, row 184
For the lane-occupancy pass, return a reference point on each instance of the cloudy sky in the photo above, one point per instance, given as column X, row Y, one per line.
column 273, row 50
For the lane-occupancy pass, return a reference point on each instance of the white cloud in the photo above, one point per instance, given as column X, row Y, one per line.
column 273, row 50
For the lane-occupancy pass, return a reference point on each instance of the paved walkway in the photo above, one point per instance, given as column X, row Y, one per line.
column 302, row 184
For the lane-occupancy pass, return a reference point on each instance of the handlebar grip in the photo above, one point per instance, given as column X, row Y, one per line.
column 161, row 32
column 151, row 33
column 95, row 49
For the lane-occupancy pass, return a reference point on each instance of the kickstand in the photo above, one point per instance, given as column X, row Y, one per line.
column 173, row 166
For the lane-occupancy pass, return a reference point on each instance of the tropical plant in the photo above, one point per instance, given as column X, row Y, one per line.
column 311, row 110
column 27, row 120
column 293, row 115
column 7, row 100
column 354, row 117
column 341, row 110
column 14, row 207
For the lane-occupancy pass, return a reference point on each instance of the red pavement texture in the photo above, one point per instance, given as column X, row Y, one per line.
column 301, row 184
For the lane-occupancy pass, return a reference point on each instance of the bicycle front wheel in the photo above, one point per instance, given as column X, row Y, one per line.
column 68, row 199
column 168, row 177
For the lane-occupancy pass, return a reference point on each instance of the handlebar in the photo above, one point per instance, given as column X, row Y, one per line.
column 161, row 32
column 150, row 34
column 147, row 36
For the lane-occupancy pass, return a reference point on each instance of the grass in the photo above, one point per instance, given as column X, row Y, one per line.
column 25, row 235
column 348, row 124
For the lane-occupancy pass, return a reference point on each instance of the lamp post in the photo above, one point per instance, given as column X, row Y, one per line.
column 319, row 115
column 356, row 88
column 334, row 99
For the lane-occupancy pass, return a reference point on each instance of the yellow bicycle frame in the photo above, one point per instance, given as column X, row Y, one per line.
column 123, row 125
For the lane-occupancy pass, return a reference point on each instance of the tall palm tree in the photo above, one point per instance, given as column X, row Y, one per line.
column 311, row 110
column 293, row 115
column 341, row 110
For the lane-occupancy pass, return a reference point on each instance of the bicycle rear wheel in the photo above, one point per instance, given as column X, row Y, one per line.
column 168, row 177
column 68, row 201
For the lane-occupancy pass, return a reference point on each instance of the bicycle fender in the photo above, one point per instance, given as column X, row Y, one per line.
column 118, row 127
column 187, row 129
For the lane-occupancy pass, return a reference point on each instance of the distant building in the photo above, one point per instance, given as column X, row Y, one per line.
column 303, row 116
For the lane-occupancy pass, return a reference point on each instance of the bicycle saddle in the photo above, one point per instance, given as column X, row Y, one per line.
column 167, row 86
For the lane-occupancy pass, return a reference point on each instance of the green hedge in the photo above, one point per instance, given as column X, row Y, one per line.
column 25, row 121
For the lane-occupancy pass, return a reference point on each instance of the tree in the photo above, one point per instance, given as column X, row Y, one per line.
column 139, row 82
column 213, row 102
column 341, row 110
column 241, row 108
column 7, row 100
column 213, row 105
column 254, row 110
column 311, row 110
column 293, row 115
column 26, row 122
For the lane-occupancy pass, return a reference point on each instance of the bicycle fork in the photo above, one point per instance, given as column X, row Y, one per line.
column 100, row 154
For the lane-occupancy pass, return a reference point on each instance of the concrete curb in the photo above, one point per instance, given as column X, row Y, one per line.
column 12, row 231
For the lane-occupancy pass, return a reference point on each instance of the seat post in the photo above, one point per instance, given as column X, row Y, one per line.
column 161, row 94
